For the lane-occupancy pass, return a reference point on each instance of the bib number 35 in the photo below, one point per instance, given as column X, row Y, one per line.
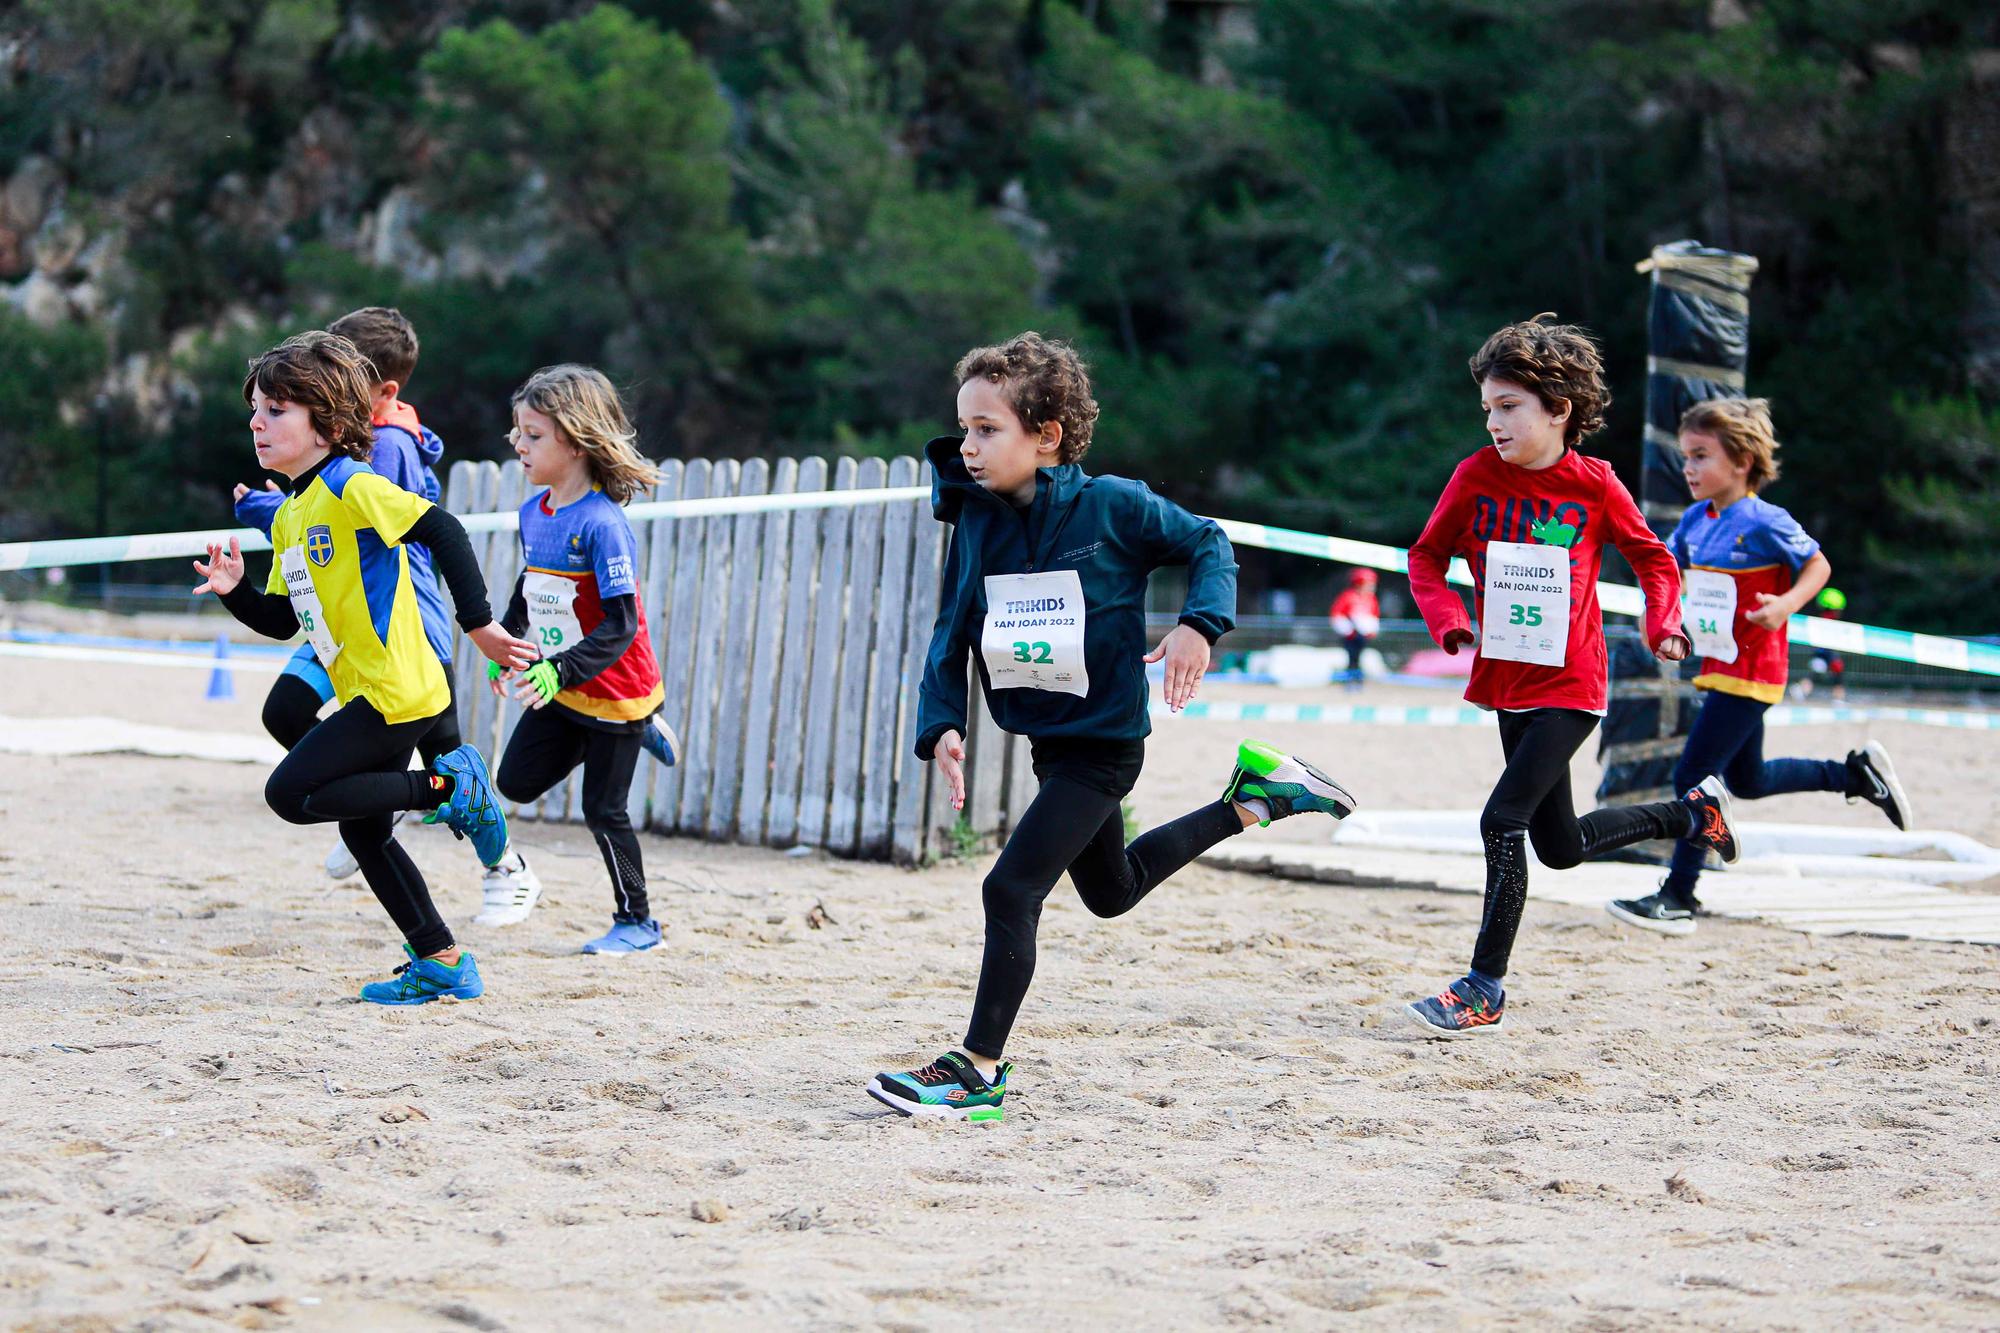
column 1524, row 615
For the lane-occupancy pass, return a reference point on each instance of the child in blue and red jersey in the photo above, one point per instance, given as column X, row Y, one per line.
column 405, row 452
column 578, row 601
column 1750, row 568
column 1532, row 516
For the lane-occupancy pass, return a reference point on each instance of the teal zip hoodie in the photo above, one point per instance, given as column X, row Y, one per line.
column 1113, row 532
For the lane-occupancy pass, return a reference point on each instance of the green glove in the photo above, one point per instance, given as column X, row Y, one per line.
column 542, row 675
column 494, row 670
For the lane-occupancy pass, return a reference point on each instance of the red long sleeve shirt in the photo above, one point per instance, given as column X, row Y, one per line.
column 1490, row 499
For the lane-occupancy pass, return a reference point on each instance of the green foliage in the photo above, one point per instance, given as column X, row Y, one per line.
column 779, row 222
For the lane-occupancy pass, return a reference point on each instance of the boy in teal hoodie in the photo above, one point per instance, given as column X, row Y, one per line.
column 1044, row 588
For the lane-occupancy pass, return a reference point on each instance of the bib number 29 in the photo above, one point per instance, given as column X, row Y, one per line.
column 1524, row 615
column 551, row 636
column 1036, row 653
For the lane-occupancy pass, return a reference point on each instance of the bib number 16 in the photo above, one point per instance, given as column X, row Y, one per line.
column 1037, row 653
column 1524, row 615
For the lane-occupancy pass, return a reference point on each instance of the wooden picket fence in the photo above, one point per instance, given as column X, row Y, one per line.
column 791, row 644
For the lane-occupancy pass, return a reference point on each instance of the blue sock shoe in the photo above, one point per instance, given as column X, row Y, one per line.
column 626, row 937
column 422, row 980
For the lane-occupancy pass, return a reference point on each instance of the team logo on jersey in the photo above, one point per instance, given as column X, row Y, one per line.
column 319, row 543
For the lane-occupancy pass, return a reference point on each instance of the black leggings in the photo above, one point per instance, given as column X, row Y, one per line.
column 292, row 707
column 1532, row 798
column 548, row 743
column 1075, row 823
column 353, row 769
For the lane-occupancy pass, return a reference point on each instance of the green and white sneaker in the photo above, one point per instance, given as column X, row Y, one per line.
column 949, row 1088
column 1283, row 784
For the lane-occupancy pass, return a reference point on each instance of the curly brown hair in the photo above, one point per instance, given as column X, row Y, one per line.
column 329, row 377
column 1044, row 380
column 1744, row 427
column 1558, row 363
column 386, row 337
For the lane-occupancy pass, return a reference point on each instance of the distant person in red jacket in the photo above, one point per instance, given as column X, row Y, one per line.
column 1532, row 516
column 1357, row 619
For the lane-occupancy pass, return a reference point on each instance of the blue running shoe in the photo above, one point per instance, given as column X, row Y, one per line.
column 1459, row 1010
column 949, row 1088
column 626, row 937
column 474, row 809
column 1286, row 784
column 422, row 980
column 659, row 740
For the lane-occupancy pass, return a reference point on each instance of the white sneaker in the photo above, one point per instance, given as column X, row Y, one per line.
column 340, row 862
column 510, row 890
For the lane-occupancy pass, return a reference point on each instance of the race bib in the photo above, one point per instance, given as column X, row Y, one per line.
column 305, row 603
column 1527, row 604
column 1709, row 613
column 552, row 621
column 1033, row 638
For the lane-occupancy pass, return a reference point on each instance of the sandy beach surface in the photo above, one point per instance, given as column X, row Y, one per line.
column 1219, row 1118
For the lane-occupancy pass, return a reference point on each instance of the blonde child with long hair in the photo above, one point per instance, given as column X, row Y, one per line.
column 1749, row 568
column 577, row 600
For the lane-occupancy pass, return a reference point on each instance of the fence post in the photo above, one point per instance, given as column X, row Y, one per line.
column 822, row 698
column 738, row 634
column 681, row 539
column 792, row 721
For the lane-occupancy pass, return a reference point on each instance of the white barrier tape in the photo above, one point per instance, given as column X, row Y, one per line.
column 1814, row 631
column 123, row 658
column 1838, row 636
column 165, row 545
column 1464, row 715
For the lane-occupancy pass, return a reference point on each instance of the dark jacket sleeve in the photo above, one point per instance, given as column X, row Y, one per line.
column 1176, row 537
column 941, row 698
column 602, row 646
column 515, row 622
column 451, row 554
column 268, row 613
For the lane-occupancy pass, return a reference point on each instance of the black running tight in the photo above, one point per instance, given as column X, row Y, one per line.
column 292, row 707
column 1075, row 823
column 353, row 769
column 547, row 744
column 1532, row 798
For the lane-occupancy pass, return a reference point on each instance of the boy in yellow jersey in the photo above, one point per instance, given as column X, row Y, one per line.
column 341, row 575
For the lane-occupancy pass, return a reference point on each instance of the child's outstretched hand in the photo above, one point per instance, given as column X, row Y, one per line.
column 537, row 685
column 949, row 756
column 236, row 496
column 497, row 678
column 223, row 571
column 1186, row 654
column 500, row 646
column 1673, row 648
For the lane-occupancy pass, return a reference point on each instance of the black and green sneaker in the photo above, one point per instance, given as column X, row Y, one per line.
column 1287, row 785
column 949, row 1088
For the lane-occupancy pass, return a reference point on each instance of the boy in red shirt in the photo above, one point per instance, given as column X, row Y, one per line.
column 1531, row 516
column 1356, row 618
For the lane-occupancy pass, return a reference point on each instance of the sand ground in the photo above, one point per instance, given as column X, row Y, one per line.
column 1218, row 1118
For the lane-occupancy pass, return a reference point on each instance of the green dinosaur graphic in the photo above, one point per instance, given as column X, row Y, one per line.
column 1551, row 533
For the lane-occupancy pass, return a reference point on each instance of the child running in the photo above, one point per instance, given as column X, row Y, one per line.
column 1046, row 578
column 406, row 453
column 1531, row 516
column 342, row 575
column 1357, row 618
column 578, row 599
column 1750, row 569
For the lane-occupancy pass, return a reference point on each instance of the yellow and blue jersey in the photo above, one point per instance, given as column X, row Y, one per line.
column 348, row 521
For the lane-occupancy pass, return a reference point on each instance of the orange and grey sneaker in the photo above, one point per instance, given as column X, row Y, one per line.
column 1459, row 1010
column 1713, row 825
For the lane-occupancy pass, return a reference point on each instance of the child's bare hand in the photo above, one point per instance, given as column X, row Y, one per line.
column 502, row 647
column 1673, row 648
column 1770, row 613
column 236, row 496
column 949, row 756
column 1186, row 654
column 223, row 571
